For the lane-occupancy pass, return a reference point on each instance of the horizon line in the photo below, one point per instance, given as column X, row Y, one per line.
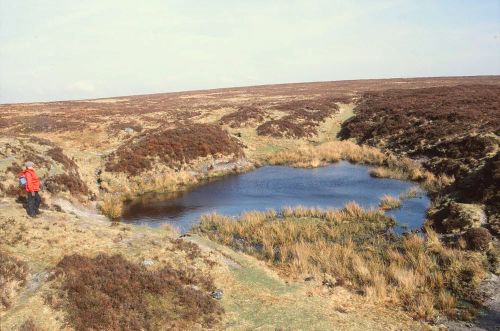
column 249, row 86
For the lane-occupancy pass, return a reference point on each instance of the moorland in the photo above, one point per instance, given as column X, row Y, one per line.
column 76, row 266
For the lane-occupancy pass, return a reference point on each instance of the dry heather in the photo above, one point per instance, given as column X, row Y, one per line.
column 173, row 147
column 102, row 279
column 354, row 248
column 455, row 130
column 13, row 273
column 244, row 116
column 302, row 119
column 111, row 293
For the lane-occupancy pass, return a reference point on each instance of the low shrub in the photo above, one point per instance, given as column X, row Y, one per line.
column 111, row 293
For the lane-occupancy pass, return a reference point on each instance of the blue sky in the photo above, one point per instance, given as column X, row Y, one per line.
column 58, row 50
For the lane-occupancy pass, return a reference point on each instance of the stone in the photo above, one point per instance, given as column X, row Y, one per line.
column 147, row 263
column 217, row 294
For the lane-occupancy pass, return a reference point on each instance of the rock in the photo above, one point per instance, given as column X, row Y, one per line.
column 217, row 294
column 147, row 263
column 129, row 130
column 309, row 279
column 463, row 216
column 477, row 239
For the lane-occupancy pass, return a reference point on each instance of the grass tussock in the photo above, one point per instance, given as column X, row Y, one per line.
column 111, row 293
column 388, row 202
column 355, row 248
column 111, row 206
column 13, row 273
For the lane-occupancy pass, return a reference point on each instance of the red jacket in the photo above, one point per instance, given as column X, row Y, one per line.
column 32, row 181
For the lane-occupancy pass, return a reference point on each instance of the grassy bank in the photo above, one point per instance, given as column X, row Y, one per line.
column 355, row 248
column 388, row 165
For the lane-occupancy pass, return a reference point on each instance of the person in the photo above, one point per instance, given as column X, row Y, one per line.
column 32, row 188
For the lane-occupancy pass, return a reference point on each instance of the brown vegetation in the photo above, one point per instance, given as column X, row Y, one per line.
column 111, row 293
column 46, row 123
column 173, row 147
column 303, row 118
column 29, row 325
column 64, row 182
column 244, row 116
column 13, row 273
column 451, row 126
column 352, row 247
column 57, row 154
column 455, row 129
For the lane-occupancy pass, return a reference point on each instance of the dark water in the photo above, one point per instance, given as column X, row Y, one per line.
column 275, row 187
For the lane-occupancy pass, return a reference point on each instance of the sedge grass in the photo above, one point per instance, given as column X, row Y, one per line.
column 357, row 248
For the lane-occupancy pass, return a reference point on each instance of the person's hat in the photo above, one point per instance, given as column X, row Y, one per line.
column 29, row 164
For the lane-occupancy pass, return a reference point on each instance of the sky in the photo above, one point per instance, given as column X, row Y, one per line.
column 59, row 50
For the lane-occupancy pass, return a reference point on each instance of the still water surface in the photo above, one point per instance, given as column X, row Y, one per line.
column 274, row 187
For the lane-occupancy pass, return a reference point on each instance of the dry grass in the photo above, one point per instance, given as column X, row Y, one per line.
column 111, row 206
column 354, row 247
column 388, row 202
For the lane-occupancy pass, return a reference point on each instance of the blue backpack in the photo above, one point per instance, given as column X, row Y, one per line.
column 22, row 181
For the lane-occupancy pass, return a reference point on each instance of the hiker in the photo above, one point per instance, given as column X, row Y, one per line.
column 32, row 185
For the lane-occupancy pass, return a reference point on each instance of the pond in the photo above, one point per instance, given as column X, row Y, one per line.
column 275, row 187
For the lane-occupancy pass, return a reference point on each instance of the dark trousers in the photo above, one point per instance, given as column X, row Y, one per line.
column 33, row 204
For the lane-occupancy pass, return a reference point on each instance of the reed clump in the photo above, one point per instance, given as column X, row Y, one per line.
column 357, row 249
column 388, row 202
